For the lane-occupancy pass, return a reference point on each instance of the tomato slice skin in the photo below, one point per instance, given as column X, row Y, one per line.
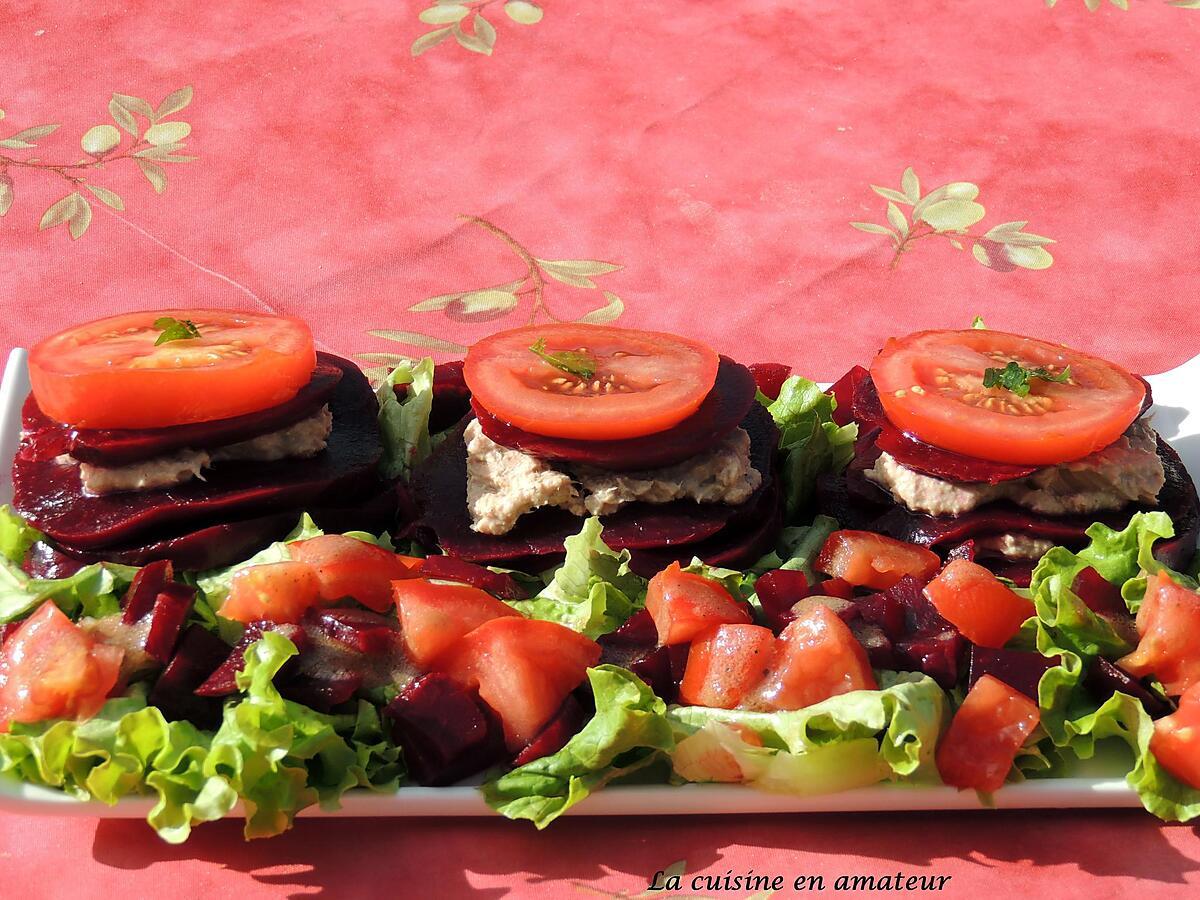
column 348, row 567
column 816, row 657
column 978, row 603
column 867, row 559
column 50, row 668
column 434, row 617
column 1176, row 739
column 645, row 382
column 724, row 663
column 1169, row 625
column 110, row 374
column 684, row 604
column 278, row 592
column 952, row 410
column 993, row 723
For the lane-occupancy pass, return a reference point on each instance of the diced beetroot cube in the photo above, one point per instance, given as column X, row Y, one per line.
column 170, row 611
column 324, row 691
column 567, row 722
column 144, row 589
column 223, row 680
column 843, row 392
column 769, row 377
column 920, row 615
column 446, row 731
column 638, row 631
column 357, row 629
column 1100, row 594
column 199, row 654
column 448, row 568
column 778, row 591
column 937, row 655
column 1103, row 678
column 1019, row 669
column 884, row 611
column 879, row 648
column 662, row 669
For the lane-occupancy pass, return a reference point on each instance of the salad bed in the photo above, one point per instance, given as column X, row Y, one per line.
column 283, row 727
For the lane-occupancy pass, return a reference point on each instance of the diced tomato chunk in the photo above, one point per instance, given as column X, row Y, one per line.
column 866, row 559
column 348, row 567
column 816, row 657
column 978, row 603
column 433, row 617
column 1176, row 739
column 683, row 604
column 50, row 668
column 1169, row 624
column 982, row 741
column 725, row 663
column 274, row 592
column 524, row 669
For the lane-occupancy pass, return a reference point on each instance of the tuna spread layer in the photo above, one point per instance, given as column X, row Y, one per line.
column 504, row 484
column 1126, row 471
column 299, row 441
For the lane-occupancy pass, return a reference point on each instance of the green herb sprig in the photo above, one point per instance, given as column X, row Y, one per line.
column 1015, row 377
column 573, row 362
column 175, row 329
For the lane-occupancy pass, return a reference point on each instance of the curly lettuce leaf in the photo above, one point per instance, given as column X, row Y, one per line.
column 16, row 536
column 276, row 756
column 846, row 741
column 812, row 443
column 628, row 733
column 593, row 591
column 404, row 424
column 94, row 590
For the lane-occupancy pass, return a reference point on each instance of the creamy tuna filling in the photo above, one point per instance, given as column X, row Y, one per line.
column 1127, row 471
column 505, row 484
column 303, row 439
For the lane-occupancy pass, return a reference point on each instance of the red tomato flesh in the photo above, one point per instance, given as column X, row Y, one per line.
column 977, row 603
column 931, row 385
column 982, row 741
column 683, row 604
column 524, row 670
column 725, row 663
column 50, row 668
column 643, row 382
column 110, row 374
column 348, row 567
column 274, row 592
column 866, row 559
column 434, row 617
column 1169, row 625
column 1176, row 739
column 816, row 657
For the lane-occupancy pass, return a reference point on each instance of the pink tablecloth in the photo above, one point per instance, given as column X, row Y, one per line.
column 678, row 165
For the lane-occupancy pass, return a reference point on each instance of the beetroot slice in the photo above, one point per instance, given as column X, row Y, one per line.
column 125, row 446
column 916, row 454
column 440, row 487
column 858, row 503
column 49, row 494
column 726, row 405
column 735, row 546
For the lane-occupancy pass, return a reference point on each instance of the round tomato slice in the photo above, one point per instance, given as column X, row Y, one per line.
column 112, row 373
column 931, row 385
column 621, row 384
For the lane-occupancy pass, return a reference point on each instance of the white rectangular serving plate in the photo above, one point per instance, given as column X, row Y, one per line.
column 1099, row 783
